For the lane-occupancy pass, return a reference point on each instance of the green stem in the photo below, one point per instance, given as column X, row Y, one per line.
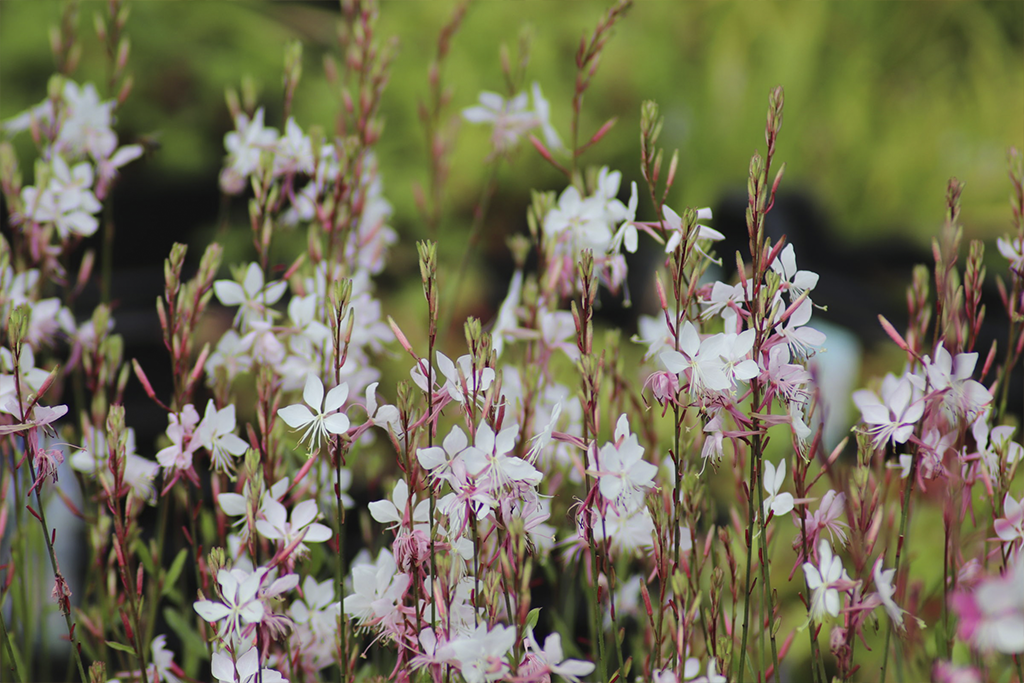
column 340, row 573
column 53, row 565
column 766, row 577
column 741, row 671
column 904, row 515
column 15, row 660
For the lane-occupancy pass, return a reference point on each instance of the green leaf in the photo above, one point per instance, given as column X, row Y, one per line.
column 143, row 554
column 193, row 647
column 532, row 618
column 120, row 647
column 171, row 578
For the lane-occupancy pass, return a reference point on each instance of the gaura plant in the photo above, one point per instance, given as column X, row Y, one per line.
column 549, row 509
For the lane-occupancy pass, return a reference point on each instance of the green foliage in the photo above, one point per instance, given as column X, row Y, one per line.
column 886, row 100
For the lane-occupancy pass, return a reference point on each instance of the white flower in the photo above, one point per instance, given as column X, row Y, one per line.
column 318, row 609
column 241, row 606
column 163, row 658
column 476, row 383
column 623, row 475
column 735, row 349
column 253, row 298
column 675, row 225
column 821, row 580
column 724, row 301
column 293, row 152
column 67, row 201
column 1010, row 527
column 511, row 120
column 886, row 589
column 626, row 234
column 798, row 281
column 377, row 590
column 231, row 354
column 324, row 419
column 480, row 655
column 385, row 416
column 87, row 126
column 303, row 524
column 703, row 360
column 216, row 434
column 393, row 511
column 712, row 675
column 439, row 460
column 580, row 222
column 542, row 438
column 542, row 113
column 246, row 669
column 802, row 340
column 489, row 455
column 963, row 397
column 1012, row 249
column 181, row 432
column 630, row 531
column 653, row 333
column 893, row 420
column 779, row 503
column 245, row 146
column 552, row 659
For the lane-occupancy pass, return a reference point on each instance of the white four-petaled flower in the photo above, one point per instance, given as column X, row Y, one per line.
column 324, row 419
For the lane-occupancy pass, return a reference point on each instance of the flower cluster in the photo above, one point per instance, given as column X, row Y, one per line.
column 535, row 504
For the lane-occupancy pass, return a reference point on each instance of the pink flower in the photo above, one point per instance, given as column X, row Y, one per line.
column 962, row 396
column 1010, row 527
column 991, row 617
column 893, row 418
column 177, row 458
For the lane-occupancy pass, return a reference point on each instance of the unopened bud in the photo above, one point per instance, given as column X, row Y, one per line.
column 217, row 560
column 17, row 326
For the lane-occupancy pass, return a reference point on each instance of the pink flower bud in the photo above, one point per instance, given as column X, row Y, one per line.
column 664, row 385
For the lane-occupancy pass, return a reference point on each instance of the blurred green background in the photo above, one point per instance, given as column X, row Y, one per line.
column 884, row 101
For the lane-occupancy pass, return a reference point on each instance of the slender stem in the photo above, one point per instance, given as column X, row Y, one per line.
column 41, row 512
column 15, row 660
column 766, row 577
column 904, row 515
column 741, row 672
column 340, row 572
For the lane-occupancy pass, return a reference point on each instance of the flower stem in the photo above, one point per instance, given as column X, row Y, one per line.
column 41, row 514
column 904, row 515
column 766, row 577
column 15, row 660
column 343, row 672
